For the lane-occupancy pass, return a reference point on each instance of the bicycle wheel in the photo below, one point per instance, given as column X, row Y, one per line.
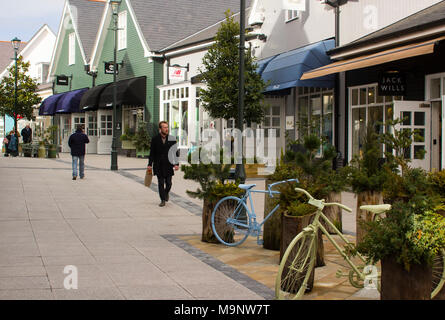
column 231, row 221
column 438, row 273
column 296, row 267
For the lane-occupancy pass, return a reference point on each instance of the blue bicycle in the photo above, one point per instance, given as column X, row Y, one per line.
column 233, row 222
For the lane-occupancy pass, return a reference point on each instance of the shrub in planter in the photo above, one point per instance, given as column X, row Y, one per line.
column 410, row 237
column 213, row 186
column 272, row 227
column 366, row 178
column 142, row 139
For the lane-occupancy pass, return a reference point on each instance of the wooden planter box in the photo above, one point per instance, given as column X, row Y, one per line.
column 272, row 227
column 399, row 284
column 207, row 231
column 333, row 213
column 291, row 226
column 127, row 144
column 363, row 198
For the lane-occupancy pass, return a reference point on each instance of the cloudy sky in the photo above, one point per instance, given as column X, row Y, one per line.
column 23, row 18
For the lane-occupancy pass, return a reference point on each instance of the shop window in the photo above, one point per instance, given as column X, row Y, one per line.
column 272, row 120
column 315, row 114
column 131, row 116
column 369, row 107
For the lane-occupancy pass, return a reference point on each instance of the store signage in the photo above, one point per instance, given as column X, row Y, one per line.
column 290, row 122
column 392, row 84
column 177, row 74
column 62, row 80
column 109, row 68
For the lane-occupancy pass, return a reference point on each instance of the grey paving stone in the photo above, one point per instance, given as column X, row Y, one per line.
column 155, row 292
column 28, row 294
column 38, row 282
column 89, row 276
column 68, row 260
column 11, row 261
column 110, row 293
column 22, row 271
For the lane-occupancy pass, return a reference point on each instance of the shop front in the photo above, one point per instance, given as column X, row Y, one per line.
column 404, row 82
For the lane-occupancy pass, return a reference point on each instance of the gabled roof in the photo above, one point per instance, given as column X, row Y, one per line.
column 86, row 21
column 422, row 20
column 206, row 35
column 7, row 53
column 165, row 22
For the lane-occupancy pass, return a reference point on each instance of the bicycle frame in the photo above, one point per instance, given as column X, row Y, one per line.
column 317, row 225
column 252, row 213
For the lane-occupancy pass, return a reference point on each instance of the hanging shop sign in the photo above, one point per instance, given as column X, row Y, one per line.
column 392, row 84
column 176, row 74
column 62, row 80
column 109, row 68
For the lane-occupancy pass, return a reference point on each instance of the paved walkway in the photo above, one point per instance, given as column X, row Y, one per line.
column 108, row 226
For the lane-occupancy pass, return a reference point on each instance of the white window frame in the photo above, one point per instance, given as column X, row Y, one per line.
column 122, row 30
column 376, row 104
column 291, row 15
column 72, row 48
column 190, row 98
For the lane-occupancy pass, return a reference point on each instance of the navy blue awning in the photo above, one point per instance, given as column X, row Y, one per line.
column 284, row 70
column 49, row 105
column 262, row 64
column 70, row 102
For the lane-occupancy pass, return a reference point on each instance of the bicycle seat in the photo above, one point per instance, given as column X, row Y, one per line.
column 246, row 186
column 376, row 208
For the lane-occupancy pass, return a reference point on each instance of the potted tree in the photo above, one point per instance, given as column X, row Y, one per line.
column 142, row 140
column 367, row 177
column 212, row 179
column 127, row 139
column 50, row 141
column 409, row 239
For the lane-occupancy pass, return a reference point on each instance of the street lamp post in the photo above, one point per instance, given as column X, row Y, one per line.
column 115, row 9
column 15, row 45
column 240, row 172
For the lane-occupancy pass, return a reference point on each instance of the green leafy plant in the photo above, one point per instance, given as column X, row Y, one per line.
column 365, row 172
column 221, row 71
column 128, row 135
column 49, row 136
column 210, row 176
column 141, row 138
column 298, row 209
column 411, row 232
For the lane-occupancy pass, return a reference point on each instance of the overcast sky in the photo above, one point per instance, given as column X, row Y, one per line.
column 23, row 18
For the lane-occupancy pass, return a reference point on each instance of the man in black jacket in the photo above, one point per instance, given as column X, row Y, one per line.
column 163, row 160
column 77, row 143
column 27, row 134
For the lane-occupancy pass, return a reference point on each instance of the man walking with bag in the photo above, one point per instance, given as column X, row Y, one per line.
column 77, row 143
column 163, row 159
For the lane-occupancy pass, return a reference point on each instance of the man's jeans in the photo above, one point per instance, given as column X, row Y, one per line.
column 81, row 165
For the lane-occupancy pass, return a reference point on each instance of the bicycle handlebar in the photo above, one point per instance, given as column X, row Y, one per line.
column 320, row 203
column 279, row 182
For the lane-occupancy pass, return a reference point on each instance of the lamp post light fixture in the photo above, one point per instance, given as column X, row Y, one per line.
column 115, row 10
column 240, row 172
column 15, row 45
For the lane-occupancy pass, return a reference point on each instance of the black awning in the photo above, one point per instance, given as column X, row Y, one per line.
column 131, row 92
column 90, row 99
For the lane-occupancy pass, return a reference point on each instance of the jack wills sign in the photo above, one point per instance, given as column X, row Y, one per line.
column 392, row 84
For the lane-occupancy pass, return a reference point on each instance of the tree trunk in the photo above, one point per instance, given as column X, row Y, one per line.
column 272, row 227
column 366, row 197
column 333, row 213
column 291, row 227
column 399, row 284
column 207, row 232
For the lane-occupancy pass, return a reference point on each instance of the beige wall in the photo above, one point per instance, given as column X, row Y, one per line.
column 359, row 18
